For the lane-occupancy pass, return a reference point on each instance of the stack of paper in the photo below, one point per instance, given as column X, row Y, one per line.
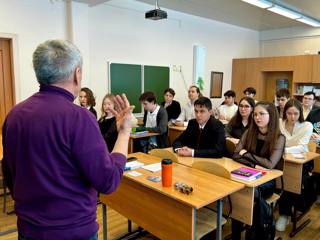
column 153, row 167
column 133, row 165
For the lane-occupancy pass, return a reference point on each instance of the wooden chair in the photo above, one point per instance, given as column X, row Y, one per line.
column 230, row 147
column 163, row 153
column 206, row 217
column 4, row 188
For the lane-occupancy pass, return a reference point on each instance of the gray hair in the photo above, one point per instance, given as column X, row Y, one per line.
column 55, row 60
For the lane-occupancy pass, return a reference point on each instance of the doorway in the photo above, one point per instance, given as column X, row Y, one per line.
column 6, row 80
column 272, row 80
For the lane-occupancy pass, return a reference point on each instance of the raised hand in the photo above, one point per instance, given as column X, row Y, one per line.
column 123, row 113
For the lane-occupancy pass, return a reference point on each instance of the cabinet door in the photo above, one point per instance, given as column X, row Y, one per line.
column 316, row 69
column 302, row 71
column 238, row 75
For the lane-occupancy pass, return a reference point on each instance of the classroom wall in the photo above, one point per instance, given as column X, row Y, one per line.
column 32, row 22
column 290, row 41
column 117, row 31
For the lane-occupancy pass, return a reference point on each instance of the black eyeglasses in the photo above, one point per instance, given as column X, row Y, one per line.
column 244, row 106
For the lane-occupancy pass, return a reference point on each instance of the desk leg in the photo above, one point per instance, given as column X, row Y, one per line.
column 219, row 219
column 194, row 223
column 104, row 221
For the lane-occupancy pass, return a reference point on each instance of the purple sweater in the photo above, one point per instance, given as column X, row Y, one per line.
column 54, row 161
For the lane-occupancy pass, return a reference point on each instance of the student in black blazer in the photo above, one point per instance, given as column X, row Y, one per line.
column 204, row 136
column 173, row 107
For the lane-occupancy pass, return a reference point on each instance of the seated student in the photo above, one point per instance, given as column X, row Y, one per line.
column 240, row 121
column 282, row 96
column 155, row 119
column 87, row 100
column 229, row 108
column 297, row 133
column 250, row 92
column 187, row 112
column 308, row 103
column 314, row 118
column 263, row 145
column 294, row 128
column 204, row 136
column 173, row 107
column 107, row 121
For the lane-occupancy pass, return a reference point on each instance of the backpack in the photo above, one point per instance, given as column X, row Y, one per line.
column 263, row 226
column 308, row 196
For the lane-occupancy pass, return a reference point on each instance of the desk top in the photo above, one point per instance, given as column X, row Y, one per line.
column 178, row 128
column 231, row 165
column 207, row 188
column 308, row 156
column 143, row 135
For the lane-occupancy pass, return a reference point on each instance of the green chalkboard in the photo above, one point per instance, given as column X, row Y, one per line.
column 156, row 79
column 126, row 78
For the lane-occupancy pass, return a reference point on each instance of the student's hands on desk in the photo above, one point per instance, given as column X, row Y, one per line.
column 315, row 137
column 184, row 151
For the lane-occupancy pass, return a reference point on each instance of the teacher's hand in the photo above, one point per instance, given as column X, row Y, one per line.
column 123, row 114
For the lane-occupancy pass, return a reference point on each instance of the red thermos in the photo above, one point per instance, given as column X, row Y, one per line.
column 166, row 173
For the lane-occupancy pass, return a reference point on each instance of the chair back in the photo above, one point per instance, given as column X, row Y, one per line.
column 213, row 167
column 230, row 147
column 312, row 146
column 163, row 153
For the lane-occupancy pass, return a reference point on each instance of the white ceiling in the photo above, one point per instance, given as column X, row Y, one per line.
column 236, row 12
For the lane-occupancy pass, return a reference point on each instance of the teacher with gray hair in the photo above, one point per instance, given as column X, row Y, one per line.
column 55, row 159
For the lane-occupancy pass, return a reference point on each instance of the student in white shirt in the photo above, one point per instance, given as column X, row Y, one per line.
column 155, row 119
column 187, row 112
column 229, row 108
column 298, row 133
column 294, row 128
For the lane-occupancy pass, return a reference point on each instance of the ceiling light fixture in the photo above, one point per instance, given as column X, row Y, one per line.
column 284, row 11
column 259, row 3
column 309, row 21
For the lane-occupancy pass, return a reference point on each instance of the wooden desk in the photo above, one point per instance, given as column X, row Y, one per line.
column 133, row 137
column 317, row 162
column 243, row 200
column 165, row 212
column 292, row 171
column 174, row 132
column 292, row 176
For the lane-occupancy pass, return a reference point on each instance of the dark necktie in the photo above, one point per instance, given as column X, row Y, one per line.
column 199, row 137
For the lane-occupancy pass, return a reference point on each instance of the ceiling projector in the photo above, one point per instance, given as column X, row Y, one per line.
column 156, row 14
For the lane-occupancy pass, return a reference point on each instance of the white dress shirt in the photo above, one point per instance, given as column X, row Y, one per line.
column 228, row 111
column 187, row 113
column 298, row 141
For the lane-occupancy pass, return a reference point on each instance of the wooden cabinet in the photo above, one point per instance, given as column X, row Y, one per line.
column 302, row 69
column 316, row 69
column 255, row 72
column 238, row 75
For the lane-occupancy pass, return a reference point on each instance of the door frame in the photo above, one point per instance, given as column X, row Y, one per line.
column 14, row 64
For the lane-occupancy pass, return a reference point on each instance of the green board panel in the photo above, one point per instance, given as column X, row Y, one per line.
column 126, row 78
column 156, row 79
